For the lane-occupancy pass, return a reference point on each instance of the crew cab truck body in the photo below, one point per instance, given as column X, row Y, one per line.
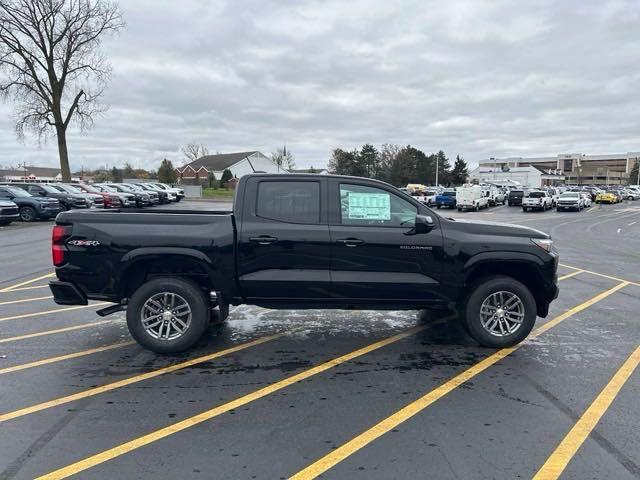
column 302, row 241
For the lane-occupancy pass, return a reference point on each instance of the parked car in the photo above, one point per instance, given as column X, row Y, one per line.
column 495, row 197
column 586, row 199
column 67, row 200
column 109, row 199
column 446, row 199
column 536, row 200
column 142, row 199
column 164, row 196
column 515, row 198
column 179, row 192
column 570, row 201
column 154, row 198
column 554, row 193
column 30, row 208
column 95, row 199
column 630, row 194
column 471, row 197
column 607, row 197
column 8, row 212
column 125, row 199
column 372, row 247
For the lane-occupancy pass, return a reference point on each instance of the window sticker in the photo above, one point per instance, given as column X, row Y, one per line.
column 369, row 206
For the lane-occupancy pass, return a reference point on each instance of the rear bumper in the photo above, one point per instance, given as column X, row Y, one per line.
column 66, row 293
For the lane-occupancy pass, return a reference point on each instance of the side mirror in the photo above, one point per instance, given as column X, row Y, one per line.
column 424, row 223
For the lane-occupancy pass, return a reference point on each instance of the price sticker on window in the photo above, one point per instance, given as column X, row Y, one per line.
column 369, row 206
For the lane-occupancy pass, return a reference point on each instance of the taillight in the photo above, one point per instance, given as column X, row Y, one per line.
column 58, row 236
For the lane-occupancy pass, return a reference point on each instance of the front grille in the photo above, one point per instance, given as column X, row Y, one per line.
column 9, row 211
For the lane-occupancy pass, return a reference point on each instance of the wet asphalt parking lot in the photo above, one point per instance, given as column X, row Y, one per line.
column 331, row 394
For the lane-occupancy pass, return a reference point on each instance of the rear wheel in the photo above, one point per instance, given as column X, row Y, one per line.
column 28, row 214
column 500, row 312
column 168, row 315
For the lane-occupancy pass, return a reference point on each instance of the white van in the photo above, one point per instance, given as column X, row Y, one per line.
column 471, row 197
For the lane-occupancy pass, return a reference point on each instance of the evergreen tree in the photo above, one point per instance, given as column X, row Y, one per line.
column 226, row 176
column 343, row 163
column 369, row 161
column 116, row 175
column 460, row 173
column 444, row 168
column 166, row 172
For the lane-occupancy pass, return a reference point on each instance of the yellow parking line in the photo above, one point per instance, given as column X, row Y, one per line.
column 572, row 274
column 27, row 282
column 55, row 310
column 565, row 451
column 365, row 438
column 20, row 289
column 617, row 279
column 26, row 300
column 52, row 332
column 219, row 410
column 60, row 358
column 131, row 380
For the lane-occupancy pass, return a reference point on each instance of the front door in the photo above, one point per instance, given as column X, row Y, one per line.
column 284, row 253
column 377, row 256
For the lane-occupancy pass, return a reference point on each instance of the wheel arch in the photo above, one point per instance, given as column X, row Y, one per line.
column 142, row 264
column 525, row 268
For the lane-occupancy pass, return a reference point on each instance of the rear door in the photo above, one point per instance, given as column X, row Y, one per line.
column 284, row 252
column 377, row 256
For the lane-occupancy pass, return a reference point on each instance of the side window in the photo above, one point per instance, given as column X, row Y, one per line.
column 291, row 202
column 360, row 205
column 34, row 190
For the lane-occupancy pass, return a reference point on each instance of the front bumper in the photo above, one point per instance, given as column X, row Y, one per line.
column 66, row 293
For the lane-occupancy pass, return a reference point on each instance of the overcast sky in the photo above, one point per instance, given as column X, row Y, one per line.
column 481, row 80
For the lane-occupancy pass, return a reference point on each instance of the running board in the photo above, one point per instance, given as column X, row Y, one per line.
column 112, row 309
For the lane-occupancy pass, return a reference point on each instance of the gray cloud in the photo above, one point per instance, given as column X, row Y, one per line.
column 479, row 79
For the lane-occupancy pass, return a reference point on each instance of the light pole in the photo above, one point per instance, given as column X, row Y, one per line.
column 436, row 171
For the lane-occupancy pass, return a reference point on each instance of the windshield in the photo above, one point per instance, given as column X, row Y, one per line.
column 107, row 188
column 569, row 195
column 17, row 192
column 535, row 194
column 516, row 192
column 448, row 194
column 50, row 189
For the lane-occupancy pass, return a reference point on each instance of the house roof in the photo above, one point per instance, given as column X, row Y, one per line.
column 218, row 162
column 37, row 171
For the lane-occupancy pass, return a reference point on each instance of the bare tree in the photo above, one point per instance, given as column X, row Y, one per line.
column 52, row 65
column 194, row 151
column 284, row 158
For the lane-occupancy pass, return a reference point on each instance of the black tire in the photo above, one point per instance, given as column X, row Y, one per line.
column 438, row 206
column 524, row 209
column 483, row 290
column 477, row 209
column 509, row 204
column 28, row 214
column 192, row 294
column 459, row 209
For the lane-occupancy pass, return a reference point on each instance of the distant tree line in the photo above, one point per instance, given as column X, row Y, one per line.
column 398, row 165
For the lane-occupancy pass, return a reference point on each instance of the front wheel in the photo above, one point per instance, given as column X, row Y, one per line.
column 168, row 315
column 500, row 312
column 28, row 214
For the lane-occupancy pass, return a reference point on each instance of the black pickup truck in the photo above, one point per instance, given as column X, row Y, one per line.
column 302, row 241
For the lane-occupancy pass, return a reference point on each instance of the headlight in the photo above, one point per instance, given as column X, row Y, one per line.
column 544, row 243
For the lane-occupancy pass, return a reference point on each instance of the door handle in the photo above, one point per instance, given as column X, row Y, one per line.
column 350, row 242
column 263, row 240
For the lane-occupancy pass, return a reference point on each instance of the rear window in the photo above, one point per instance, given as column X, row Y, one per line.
column 448, row 194
column 516, row 193
column 292, row 202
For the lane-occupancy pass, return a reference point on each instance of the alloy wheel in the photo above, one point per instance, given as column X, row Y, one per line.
column 502, row 313
column 166, row 316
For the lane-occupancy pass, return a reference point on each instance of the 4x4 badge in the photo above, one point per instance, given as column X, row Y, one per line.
column 84, row 243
